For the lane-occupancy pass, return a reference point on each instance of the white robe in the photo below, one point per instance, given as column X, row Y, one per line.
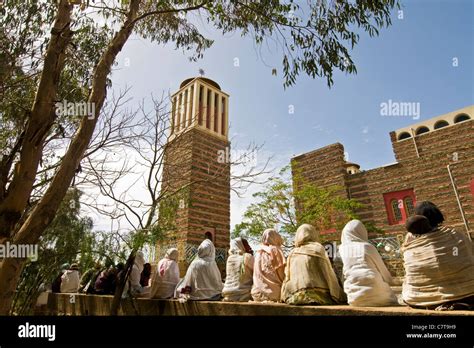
column 133, row 281
column 70, row 281
column 239, row 273
column 203, row 275
column 367, row 278
column 166, row 277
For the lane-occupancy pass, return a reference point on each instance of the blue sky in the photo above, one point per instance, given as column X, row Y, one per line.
column 411, row 61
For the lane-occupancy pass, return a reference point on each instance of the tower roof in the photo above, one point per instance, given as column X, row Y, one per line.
column 208, row 81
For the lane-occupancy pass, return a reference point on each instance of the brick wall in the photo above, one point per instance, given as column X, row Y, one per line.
column 427, row 175
column 191, row 162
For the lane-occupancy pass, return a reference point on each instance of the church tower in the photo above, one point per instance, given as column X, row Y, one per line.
column 196, row 170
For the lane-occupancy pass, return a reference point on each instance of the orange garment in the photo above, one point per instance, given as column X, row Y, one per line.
column 269, row 268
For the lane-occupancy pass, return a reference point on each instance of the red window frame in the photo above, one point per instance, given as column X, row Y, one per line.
column 401, row 197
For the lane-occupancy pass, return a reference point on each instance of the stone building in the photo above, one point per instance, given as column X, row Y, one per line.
column 194, row 171
column 434, row 161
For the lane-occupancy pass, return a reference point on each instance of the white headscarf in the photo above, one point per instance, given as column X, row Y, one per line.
column 172, row 254
column 237, row 246
column 207, row 251
column 354, row 231
column 203, row 275
column 367, row 278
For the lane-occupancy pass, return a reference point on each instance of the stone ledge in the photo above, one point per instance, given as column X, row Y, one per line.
column 60, row 304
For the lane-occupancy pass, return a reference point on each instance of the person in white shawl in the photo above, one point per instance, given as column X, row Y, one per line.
column 309, row 276
column 203, row 279
column 166, row 277
column 239, row 270
column 133, row 282
column 439, row 263
column 367, row 279
column 70, row 279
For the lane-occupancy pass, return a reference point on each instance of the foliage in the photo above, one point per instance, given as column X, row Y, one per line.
column 68, row 239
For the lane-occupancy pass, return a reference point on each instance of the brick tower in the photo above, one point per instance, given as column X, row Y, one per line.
column 195, row 171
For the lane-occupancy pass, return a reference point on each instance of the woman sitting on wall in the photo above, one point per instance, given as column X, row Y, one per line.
column 269, row 268
column 439, row 263
column 133, row 286
column 309, row 277
column 366, row 277
column 239, row 271
column 166, row 277
column 203, row 279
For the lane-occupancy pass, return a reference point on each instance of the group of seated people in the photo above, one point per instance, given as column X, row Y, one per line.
column 438, row 261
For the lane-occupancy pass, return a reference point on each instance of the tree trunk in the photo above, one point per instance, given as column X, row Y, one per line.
column 39, row 123
column 44, row 212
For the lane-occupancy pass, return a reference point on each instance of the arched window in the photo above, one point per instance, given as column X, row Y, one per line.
column 399, row 205
column 461, row 117
column 404, row 135
column 422, row 129
column 409, row 206
column 441, row 124
column 397, row 213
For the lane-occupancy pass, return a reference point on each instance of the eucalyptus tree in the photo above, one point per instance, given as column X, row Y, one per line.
column 65, row 49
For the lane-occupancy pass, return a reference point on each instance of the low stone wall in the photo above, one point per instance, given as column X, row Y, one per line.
column 83, row 305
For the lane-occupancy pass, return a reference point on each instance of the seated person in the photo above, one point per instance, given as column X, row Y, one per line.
column 309, row 276
column 166, row 277
column 104, row 285
column 203, row 279
column 439, row 263
column 269, row 268
column 367, row 279
column 70, row 279
column 239, row 271
column 133, row 286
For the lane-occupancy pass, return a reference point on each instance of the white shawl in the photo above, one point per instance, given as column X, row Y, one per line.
column 166, row 276
column 367, row 278
column 203, row 275
column 239, row 273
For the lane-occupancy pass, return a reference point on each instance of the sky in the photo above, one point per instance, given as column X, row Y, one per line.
column 425, row 57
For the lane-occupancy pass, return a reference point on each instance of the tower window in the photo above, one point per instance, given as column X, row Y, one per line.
column 461, row 118
column 191, row 104
column 399, row 205
column 208, row 110
column 223, row 116
column 216, row 116
column 422, row 130
column 173, row 115
column 404, row 135
column 179, row 110
column 441, row 124
column 201, row 92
